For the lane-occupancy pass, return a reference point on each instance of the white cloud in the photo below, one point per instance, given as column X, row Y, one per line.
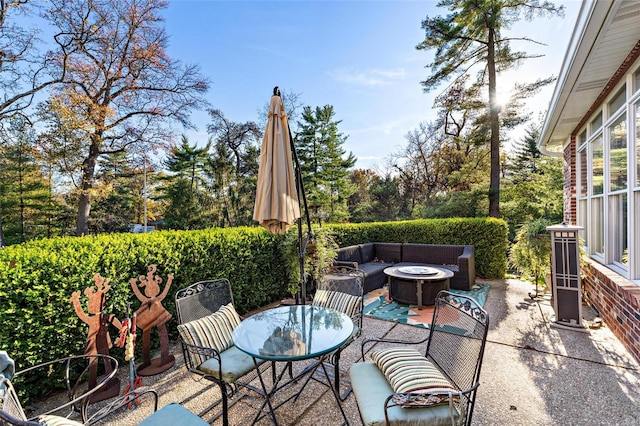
column 370, row 78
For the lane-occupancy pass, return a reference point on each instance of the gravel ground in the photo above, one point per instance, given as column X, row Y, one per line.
column 532, row 374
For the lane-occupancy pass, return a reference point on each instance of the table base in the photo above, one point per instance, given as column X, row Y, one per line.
column 277, row 386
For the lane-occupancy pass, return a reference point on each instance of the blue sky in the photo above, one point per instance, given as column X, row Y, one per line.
column 358, row 56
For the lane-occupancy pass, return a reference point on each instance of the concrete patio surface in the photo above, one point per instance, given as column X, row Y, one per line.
column 532, row 374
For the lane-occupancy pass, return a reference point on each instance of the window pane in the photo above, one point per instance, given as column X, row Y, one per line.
column 597, row 171
column 582, row 221
column 596, row 244
column 618, row 155
column 596, row 123
column 636, row 81
column 618, row 220
column 637, row 143
column 618, row 100
column 584, row 174
column 582, row 138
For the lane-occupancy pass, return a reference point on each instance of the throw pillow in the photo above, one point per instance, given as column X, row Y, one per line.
column 407, row 370
column 213, row 331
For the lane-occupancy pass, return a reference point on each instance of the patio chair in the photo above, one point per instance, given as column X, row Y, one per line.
column 341, row 288
column 403, row 386
column 206, row 318
column 75, row 377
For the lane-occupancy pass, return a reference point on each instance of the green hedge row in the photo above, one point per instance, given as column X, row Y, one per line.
column 487, row 235
column 38, row 322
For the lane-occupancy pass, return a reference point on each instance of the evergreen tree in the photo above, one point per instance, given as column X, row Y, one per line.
column 472, row 35
column 24, row 194
column 325, row 169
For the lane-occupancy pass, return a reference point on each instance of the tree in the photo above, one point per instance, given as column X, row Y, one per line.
column 24, row 196
column 24, row 71
column 533, row 186
column 471, row 37
column 325, row 170
column 233, row 169
column 121, row 90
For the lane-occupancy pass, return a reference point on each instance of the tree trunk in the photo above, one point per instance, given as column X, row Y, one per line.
column 494, row 183
column 84, row 201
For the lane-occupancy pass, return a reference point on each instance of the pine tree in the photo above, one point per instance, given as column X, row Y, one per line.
column 324, row 164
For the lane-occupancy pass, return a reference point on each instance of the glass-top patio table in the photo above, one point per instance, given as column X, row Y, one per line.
column 292, row 333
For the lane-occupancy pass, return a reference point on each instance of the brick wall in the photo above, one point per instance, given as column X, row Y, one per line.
column 618, row 302
column 569, row 165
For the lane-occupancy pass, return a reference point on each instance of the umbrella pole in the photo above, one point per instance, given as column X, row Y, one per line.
column 302, row 243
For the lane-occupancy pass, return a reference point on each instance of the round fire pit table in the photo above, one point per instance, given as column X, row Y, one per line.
column 417, row 284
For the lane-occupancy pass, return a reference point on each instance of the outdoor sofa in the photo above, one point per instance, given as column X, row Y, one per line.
column 373, row 258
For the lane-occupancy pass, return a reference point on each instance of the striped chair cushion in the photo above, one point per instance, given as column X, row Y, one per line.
column 213, row 331
column 407, row 370
column 51, row 420
column 343, row 302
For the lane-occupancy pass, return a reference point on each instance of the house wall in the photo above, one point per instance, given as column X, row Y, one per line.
column 618, row 302
column 616, row 299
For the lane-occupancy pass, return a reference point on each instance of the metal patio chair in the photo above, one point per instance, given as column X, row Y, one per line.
column 75, row 374
column 228, row 367
column 402, row 386
column 341, row 288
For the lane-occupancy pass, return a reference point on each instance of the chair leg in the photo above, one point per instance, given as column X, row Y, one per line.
column 225, row 404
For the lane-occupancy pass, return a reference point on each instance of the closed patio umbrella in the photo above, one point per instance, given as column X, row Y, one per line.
column 279, row 184
column 277, row 206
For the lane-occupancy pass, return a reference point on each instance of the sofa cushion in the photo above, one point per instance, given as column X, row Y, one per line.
column 171, row 415
column 213, row 331
column 349, row 254
column 389, row 252
column 367, row 252
column 372, row 268
column 407, row 370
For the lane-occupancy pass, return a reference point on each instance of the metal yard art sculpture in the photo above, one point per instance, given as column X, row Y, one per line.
column 152, row 314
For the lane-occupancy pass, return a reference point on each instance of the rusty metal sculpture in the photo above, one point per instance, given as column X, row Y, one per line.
column 152, row 314
column 98, row 338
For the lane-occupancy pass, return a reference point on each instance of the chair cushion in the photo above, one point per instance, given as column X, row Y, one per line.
column 343, row 302
column 235, row 364
column 407, row 370
column 51, row 420
column 371, row 389
column 213, row 331
column 171, row 415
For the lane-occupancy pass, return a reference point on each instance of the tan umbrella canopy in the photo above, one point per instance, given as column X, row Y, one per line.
column 277, row 206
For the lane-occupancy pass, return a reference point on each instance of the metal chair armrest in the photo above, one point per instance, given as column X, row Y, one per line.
column 5, row 417
column 72, row 389
column 383, row 340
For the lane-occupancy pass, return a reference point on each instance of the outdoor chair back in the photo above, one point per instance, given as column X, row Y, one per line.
column 437, row 386
column 201, row 308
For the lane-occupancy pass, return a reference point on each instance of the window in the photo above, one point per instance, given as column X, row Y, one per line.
column 596, row 244
column 607, row 186
column 618, row 155
column 637, row 108
column 597, row 166
column 596, row 123
column 618, row 219
column 583, row 167
column 618, row 100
